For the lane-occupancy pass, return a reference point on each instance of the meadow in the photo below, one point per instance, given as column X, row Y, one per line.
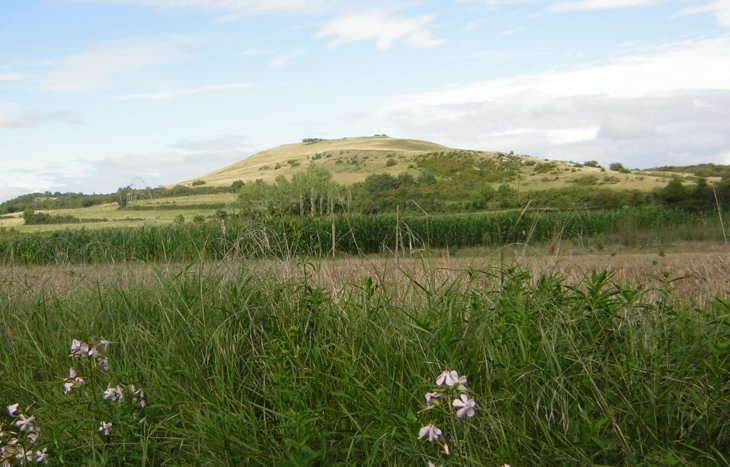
column 569, row 360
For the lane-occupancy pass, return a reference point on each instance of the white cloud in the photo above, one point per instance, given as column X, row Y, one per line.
column 685, row 66
column 8, row 192
column 169, row 95
column 721, row 8
column 589, row 5
column 10, row 76
column 283, row 59
column 96, row 68
column 384, row 30
column 655, row 105
column 30, row 119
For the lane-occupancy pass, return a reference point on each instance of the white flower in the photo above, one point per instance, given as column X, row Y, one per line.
column 114, row 394
column 429, row 431
column 67, row 386
column 12, row 409
column 451, row 378
column 104, row 343
column 41, row 457
column 103, row 362
column 431, row 396
column 79, row 349
column 465, row 406
column 105, row 428
column 25, row 424
column 431, row 464
column 447, row 377
column 33, row 435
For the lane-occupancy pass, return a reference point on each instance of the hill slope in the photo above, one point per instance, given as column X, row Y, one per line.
column 351, row 160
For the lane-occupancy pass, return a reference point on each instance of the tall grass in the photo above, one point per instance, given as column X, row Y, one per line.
column 353, row 235
column 244, row 368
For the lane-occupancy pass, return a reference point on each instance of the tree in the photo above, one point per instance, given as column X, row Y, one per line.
column 616, row 166
column 674, row 193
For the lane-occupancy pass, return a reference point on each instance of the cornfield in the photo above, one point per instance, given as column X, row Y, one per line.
column 322, row 236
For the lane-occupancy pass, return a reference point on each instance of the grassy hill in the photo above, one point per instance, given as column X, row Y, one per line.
column 351, row 160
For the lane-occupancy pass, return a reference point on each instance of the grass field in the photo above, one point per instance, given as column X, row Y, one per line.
column 161, row 211
column 301, row 363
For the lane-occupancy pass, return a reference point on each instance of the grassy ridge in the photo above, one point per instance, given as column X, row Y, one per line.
column 353, row 235
column 240, row 368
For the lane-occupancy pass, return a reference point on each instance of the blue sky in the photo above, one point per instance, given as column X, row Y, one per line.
column 94, row 93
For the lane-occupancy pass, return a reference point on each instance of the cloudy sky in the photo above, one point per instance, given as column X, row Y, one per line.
column 96, row 94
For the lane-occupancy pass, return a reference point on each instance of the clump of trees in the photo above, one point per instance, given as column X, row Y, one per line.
column 38, row 218
column 698, row 198
column 311, row 192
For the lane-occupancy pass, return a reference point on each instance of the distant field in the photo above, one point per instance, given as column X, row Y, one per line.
column 130, row 217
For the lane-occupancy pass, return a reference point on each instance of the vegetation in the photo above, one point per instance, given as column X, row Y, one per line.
column 227, row 235
column 241, row 367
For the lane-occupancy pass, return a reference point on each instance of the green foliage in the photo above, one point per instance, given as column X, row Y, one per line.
column 240, row 367
column 275, row 236
column 700, row 170
column 592, row 164
column 544, row 167
column 585, row 180
column 699, row 198
column 471, row 166
column 312, row 140
column 198, row 183
column 38, row 218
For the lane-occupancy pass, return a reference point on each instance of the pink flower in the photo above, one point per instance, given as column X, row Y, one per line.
column 429, row 431
column 465, row 406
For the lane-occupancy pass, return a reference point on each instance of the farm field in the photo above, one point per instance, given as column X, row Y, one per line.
column 162, row 211
column 572, row 359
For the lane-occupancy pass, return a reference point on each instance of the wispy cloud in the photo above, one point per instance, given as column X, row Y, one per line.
column 220, row 144
column 31, row 119
column 589, row 5
column 10, row 76
column 721, row 9
column 169, row 95
column 99, row 67
column 381, row 28
column 512, row 32
column 283, row 59
column 249, row 52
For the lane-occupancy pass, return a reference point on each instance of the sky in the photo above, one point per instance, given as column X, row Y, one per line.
column 100, row 94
